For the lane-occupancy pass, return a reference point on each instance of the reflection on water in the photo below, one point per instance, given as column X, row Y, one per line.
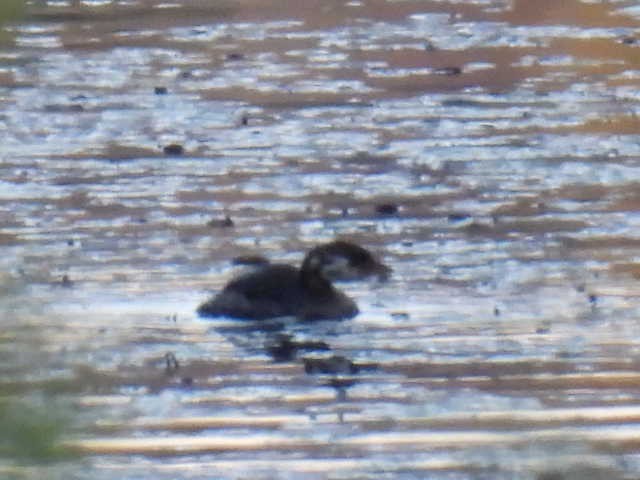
column 486, row 151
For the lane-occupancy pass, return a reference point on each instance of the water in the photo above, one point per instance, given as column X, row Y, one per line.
column 505, row 344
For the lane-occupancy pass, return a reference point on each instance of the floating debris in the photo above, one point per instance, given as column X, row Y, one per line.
column 234, row 56
column 171, row 363
column 448, row 71
column 387, row 209
column 225, row 222
column 174, row 149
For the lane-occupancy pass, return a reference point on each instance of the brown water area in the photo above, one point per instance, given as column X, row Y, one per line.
column 488, row 151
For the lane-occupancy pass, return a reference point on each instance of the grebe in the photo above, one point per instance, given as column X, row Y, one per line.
column 277, row 290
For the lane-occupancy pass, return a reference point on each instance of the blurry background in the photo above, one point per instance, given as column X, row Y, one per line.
column 486, row 150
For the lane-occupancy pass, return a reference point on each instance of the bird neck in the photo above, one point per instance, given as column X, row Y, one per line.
column 312, row 279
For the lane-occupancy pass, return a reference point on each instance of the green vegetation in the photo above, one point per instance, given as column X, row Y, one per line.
column 11, row 9
column 30, row 432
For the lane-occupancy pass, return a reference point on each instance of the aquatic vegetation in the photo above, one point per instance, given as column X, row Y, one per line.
column 11, row 9
column 30, row 432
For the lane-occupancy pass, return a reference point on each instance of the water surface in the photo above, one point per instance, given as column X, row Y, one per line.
column 505, row 344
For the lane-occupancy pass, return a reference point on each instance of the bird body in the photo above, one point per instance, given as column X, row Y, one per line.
column 277, row 290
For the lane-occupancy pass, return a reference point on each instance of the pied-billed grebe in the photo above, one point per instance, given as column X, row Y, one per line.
column 346, row 261
column 282, row 290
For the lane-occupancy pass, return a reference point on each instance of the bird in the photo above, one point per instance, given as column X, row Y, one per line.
column 280, row 290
